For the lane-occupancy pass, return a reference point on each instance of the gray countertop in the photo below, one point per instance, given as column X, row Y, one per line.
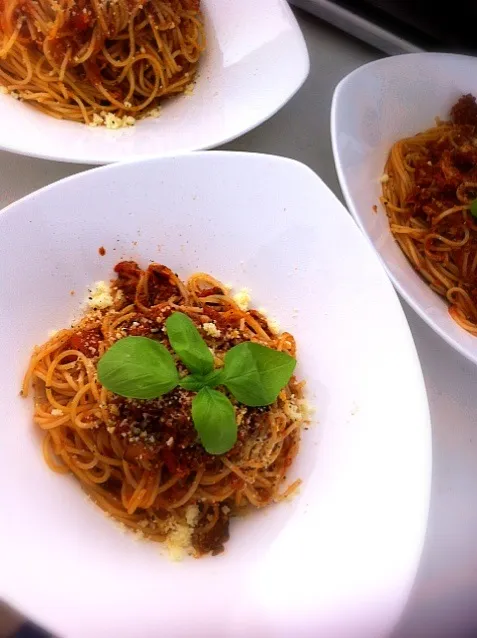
column 443, row 601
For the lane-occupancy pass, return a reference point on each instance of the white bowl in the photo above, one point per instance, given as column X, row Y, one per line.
column 256, row 59
column 372, row 108
column 340, row 558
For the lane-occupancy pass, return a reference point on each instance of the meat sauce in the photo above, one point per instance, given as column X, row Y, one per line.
column 212, row 541
column 161, row 431
column 87, row 342
column 440, row 176
column 445, row 176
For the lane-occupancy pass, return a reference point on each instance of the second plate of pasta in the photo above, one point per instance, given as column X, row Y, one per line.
column 99, row 82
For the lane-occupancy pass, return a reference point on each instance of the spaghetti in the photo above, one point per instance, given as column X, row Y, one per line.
column 141, row 460
column 429, row 185
column 99, row 61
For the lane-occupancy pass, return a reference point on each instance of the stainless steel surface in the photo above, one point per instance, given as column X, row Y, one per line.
column 357, row 26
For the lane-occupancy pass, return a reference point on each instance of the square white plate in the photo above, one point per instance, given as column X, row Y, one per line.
column 256, row 59
column 372, row 108
column 339, row 560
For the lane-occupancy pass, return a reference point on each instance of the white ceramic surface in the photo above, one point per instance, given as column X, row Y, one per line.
column 256, row 60
column 337, row 561
column 373, row 107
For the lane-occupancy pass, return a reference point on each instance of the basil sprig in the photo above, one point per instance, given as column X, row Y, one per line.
column 195, row 382
column 142, row 368
column 473, row 208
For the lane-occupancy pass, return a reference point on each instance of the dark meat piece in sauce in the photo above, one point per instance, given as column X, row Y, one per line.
column 128, row 277
column 213, row 540
column 465, row 111
column 161, row 285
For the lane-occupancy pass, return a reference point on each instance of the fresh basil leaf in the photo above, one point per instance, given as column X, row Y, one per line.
column 214, row 378
column 138, row 368
column 189, row 345
column 473, row 208
column 192, row 382
column 196, row 382
column 214, row 420
column 255, row 374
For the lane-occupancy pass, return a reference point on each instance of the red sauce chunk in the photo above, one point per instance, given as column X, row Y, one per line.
column 465, row 111
column 128, row 278
column 161, row 284
column 87, row 342
column 79, row 21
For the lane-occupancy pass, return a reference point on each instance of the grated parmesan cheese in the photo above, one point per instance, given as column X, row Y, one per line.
column 100, row 296
column 306, row 409
column 192, row 515
column 154, row 112
column 272, row 323
column 384, row 178
column 211, row 329
column 274, row 326
column 111, row 121
column 56, row 412
column 293, row 412
column 178, row 541
column 97, row 120
column 114, row 122
column 239, row 414
column 242, row 298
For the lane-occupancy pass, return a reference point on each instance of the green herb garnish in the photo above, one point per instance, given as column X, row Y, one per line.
column 141, row 368
column 138, row 368
column 255, row 374
column 214, row 420
column 188, row 344
column 196, row 382
column 473, row 208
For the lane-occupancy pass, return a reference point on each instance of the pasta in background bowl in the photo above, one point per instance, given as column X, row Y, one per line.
column 352, row 533
column 373, row 108
column 255, row 59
